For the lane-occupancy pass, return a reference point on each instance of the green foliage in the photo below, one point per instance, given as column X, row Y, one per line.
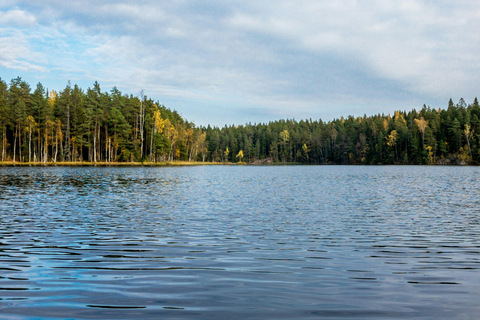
column 75, row 125
column 427, row 136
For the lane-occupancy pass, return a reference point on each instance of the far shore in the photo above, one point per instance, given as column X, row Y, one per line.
column 195, row 163
column 109, row 164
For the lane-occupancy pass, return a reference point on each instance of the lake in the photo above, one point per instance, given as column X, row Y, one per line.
column 240, row 242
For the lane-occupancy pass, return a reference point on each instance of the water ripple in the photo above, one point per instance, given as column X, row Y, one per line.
column 242, row 242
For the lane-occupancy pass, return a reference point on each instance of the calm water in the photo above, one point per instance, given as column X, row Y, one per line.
column 228, row 242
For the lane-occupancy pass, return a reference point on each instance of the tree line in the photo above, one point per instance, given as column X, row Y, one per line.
column 74, row 125
column 426, row 136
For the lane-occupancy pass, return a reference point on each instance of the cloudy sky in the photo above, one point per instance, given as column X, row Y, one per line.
column 232, row 62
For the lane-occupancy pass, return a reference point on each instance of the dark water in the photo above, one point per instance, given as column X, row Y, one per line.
column 327, row 242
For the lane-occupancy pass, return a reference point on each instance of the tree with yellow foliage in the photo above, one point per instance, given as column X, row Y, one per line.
column 284, row 138
column 225, row 153
column 172, row 134
column 158, row 124
column 430, row 157
column 392, row 141
column 52, row 99
column 305, row 151
column 422, row 124
column 240, row 155
column 202, row 145
column 468, row 135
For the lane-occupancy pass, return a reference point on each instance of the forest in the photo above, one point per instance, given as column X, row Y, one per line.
column 75, row 125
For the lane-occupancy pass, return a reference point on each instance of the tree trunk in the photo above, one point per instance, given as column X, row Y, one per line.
column 14, row 147
column 56, row 147
column 29, row 144
column 107, row 142
column 115, row 149
column 45, row 146
column 151, row 146
column 4, row 143
column 19, row 143
column 67, row 154
column 142, row 123
column 95, row 143
column 39, row 144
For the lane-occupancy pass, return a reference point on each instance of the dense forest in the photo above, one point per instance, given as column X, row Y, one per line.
column 427, row 136
column 74, row 125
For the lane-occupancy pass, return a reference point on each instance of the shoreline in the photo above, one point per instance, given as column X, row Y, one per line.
column 108, row 164
column 199, row 163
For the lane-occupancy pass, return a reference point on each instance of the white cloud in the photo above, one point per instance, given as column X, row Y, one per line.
column 15, row 54
column 16, row 18
column 309, row 54
column 416, row 42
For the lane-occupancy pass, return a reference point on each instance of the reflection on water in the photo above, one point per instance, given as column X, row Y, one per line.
column 240, row 242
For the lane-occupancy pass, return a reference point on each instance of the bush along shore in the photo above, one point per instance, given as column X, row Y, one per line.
column 92, row 127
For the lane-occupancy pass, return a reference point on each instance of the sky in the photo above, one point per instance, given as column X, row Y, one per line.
column 236, row 62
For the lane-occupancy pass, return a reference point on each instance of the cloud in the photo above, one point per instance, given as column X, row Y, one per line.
column 16, row 18
column 290, row 59
column 418, row 43
column 15, row 53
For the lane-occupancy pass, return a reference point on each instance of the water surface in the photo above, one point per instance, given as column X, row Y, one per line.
column 240, row 242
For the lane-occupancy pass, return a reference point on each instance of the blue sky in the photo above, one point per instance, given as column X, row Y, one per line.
column 233, row 62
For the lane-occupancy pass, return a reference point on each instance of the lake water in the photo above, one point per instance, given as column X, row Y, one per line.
column 240, row 242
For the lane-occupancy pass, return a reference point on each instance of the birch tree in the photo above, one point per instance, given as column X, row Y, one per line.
column 31, row 125
column 422, row 125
